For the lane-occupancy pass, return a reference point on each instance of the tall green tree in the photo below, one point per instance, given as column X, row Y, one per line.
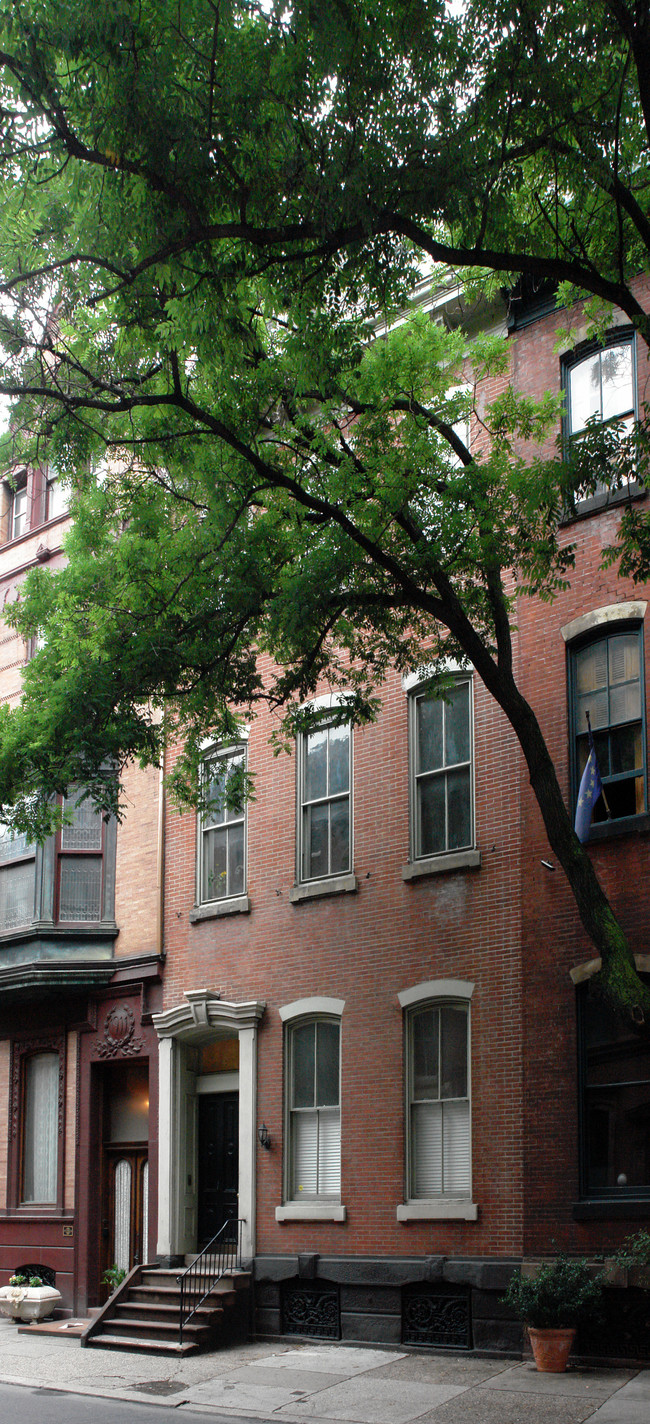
column 206, row 207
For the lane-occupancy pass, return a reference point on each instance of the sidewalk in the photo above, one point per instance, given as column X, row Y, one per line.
column 321, row 1383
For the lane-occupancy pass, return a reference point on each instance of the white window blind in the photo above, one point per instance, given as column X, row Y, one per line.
column 314, row 1110
column 439, row 1147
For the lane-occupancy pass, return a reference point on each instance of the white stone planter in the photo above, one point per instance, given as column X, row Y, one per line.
column 28, row 1302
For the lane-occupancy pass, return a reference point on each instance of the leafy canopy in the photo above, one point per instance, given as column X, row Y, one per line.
column 212, row 217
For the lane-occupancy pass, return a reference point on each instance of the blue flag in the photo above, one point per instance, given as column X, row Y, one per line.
column 590, row 789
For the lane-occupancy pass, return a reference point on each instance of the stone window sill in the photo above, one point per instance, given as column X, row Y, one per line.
column 315, row 889
column 444, row 1209
column 442, row 864
column 311, row 1211
column 238, row 905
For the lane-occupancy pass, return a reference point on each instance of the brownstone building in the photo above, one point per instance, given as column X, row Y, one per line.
column 80, row 970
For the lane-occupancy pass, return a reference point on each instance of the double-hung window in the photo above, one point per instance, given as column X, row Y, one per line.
column 18, row 512
column 607, row 685
column 314, row 1113
column 441, row 770
column 601, row 387
column 438, row 1108
column 615, row 1102
column 325, row 802
column 17, row 878
column 222, row 827
column 80, row 861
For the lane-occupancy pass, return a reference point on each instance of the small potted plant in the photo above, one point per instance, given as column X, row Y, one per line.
column 113, row 1277
column 552, row 1303
column 27, row 1299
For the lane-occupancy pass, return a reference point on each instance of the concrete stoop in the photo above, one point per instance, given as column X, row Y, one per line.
column 144, row 1314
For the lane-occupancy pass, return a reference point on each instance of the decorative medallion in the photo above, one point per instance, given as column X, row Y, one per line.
column 119, row 1034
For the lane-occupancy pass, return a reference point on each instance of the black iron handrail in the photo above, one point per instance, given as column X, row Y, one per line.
column 222, row 1254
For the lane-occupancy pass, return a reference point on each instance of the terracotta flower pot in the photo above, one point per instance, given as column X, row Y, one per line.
column 551, row 1349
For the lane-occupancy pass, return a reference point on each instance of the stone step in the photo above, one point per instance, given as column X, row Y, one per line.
column 133, row 1327
column 153, row 1310
column 145, row 1346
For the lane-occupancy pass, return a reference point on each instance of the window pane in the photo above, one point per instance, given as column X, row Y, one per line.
column 315, row 841
column 626, row 750
column 616, row 376
column 327, row 1064
column 80, row 898
column 455, row 1148
column 236, row 859
column 594, row 703
column 591, row 667
column 458, row 809
column 429, row 716
column 214, row 865
column 85, row 829
column 453, row 1065
column 41, row 1128
column 625, row 703
column 624, row 658
column 431, row 815
column 329, row 1154
column 316, row 765
column 58, row 499
column 215, row 785
column 303, row 1063
column 339, row 738
column 12, row 844
column 19, row 513
column 584, row 392
column 16, row 895
column 304, row 1154
column 617, row 1100
column 426, row 1155
column 457, row 725
column 340, row 836
column 426, row 1030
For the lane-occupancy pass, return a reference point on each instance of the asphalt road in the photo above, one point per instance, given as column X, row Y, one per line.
column 55, row 1406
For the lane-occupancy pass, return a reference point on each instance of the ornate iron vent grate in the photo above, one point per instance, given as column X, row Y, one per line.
column 437, row 1317
column 311, row 1310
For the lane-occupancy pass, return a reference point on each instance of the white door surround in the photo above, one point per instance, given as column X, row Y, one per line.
column 203, row 1017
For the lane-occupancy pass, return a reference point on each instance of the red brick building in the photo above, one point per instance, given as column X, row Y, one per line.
column 381, row 966
column 375, row 1041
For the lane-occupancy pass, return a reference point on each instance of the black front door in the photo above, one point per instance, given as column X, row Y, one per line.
column 218, row 1163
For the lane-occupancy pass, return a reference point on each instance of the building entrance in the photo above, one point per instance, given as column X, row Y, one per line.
column 218, row 1163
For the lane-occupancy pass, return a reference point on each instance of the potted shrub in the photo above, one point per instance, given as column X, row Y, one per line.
column 26, row 1298
column 552, row 1303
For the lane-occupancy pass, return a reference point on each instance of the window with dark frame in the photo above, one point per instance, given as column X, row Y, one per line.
column 314, row 1136
column 615, row 1101
column 222, row 828
column 438, row 1106
column 80, row 862
column 606, row 682
column 40, row 1120
column 17, row 879
column 441, row 770
column 325, row 802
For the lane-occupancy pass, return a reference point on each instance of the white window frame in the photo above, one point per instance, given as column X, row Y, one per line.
column 571, row 362
column 330, row 875
column 212, row 755
column 315, row 1206
column 18, row 511
column 445, row 1205
column 417, row 694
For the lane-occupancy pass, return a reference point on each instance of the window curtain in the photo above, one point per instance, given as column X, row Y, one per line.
column 41, row 1138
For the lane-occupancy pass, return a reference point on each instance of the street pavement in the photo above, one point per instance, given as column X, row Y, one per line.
column 319, row 1383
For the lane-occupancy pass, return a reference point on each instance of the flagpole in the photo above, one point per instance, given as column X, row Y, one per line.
column 602, row 788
